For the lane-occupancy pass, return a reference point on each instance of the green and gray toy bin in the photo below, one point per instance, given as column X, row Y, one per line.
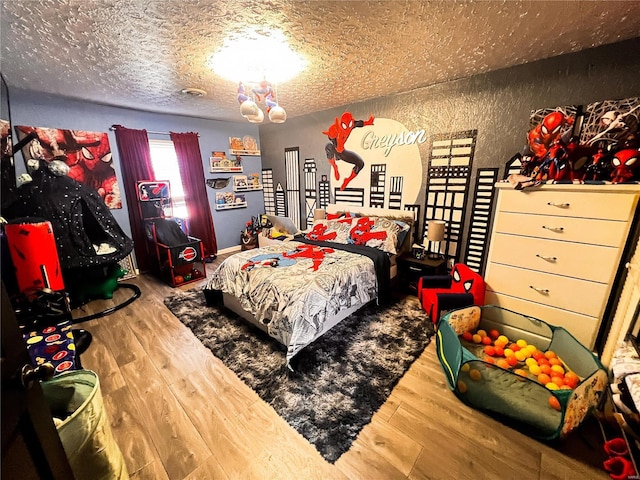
column 513, row 393
column 83, row 426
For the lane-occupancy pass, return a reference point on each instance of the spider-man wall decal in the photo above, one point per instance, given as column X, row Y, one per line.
column 338, row 133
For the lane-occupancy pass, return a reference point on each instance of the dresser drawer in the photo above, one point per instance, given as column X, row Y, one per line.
column 568, row 204
column 588, row 262
column 583, row 327
column 580, row 296
column 597, row 232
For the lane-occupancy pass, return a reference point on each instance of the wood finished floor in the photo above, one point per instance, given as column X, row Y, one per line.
column 178, row 413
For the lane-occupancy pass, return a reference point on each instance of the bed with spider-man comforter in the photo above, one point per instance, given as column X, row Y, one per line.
column 297, row 290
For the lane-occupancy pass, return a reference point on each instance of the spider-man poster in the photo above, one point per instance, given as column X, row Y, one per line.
column 88, row 155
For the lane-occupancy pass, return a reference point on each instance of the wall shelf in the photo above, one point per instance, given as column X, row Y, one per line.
column 247, row 188
column 225, row 169
column 231, row 206
column 252, row 153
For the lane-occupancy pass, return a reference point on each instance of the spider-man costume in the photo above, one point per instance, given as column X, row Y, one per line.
column 338, row 133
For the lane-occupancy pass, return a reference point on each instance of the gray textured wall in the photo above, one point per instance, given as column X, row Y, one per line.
column 497, row 104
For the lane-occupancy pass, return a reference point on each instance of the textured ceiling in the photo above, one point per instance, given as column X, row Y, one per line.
column 142, row 53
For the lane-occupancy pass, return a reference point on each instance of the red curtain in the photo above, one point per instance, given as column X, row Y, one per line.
column 195, row 190
column 135, row 161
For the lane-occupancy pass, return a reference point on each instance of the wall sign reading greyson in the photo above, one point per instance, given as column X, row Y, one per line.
column 387, row 142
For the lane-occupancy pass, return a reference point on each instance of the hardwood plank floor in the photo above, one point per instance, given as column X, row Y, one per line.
column 178, row 413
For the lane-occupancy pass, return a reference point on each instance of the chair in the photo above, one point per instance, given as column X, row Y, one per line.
column 440, row 293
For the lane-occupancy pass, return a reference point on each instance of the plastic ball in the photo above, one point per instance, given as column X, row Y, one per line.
column 521, row 372
column 554, row 361
column 552, row 386
column 531, row 361
column 486, row 340
column 521, row 343
column 494, row 334
column 468, row 336
column 477, row 338
column 557, row 368
column 520, row 356
column 490, row 350
column 546, row 369
column 503, row 363
column 512, row 361
column 488, row 359
column 538, row 355
column 503, row 339
column 508, row 352
column 499, row 351
column 554, row 403
column 550, row 354
column 515, row 347
column 482, row 333
column 535, row 369
column 558, row 381
column 179, row 279
column 543, row 378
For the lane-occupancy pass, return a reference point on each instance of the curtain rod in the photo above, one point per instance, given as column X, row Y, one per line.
column 113, row 127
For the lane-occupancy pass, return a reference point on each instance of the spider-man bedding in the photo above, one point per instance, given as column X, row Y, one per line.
column 295, row 290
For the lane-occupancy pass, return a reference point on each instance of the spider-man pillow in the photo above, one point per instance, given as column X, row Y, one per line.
column 376, row 232
column 336, row 231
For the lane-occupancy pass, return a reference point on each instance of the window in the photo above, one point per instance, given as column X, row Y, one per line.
column 165, row 167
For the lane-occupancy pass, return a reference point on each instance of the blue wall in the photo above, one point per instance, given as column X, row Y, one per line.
column 38, row 110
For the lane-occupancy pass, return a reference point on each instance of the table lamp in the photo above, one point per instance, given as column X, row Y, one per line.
column 435, row 234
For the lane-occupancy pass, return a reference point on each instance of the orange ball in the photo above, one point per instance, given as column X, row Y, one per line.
column 514, row 346
column 543, row 361
column 489, row 350
column 546, row 369
column 488, row 359
column 543, row 378
column 477, row 338
column 550, row 354
column 499, row 351
column 521, row 372
column 559, row 381
column 494, row 334
column 555, row 361
column 557, row 368
column 487, row 340
column 468, row 336
column 512, row 361
column 537, row 354
column 554, row 403
column 502, row 363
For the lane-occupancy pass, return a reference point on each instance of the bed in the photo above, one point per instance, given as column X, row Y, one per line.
column 298, row 289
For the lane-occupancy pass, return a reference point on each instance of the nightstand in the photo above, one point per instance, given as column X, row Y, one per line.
column 410, row 269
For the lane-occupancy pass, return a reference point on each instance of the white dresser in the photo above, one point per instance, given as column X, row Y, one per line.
column 555, row 251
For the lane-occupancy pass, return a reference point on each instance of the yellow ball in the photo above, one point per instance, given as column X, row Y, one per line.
column 503, row 339
column 477, row 338
column 521, row 343
column 557, row 368
column 552, row 386
column 531, row 361
column 535, row 369
column 508, row 352
column 520, row 356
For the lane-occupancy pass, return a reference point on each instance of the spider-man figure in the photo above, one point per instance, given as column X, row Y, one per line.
column 313, row 252
column 319, row 233
column 338, row 133
column 542, row 137
column 361, row 233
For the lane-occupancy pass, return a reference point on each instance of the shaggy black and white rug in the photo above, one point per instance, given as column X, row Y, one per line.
column 339, row 381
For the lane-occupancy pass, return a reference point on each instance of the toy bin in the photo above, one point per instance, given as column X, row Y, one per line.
column 520, row 370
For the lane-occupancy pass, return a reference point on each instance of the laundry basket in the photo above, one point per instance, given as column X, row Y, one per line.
column 513, row 393
column 85, row 430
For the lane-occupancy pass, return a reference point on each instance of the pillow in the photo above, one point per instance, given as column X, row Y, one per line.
column 376, row 232
column 402, row 233
column 335, row 216
column 336, row 231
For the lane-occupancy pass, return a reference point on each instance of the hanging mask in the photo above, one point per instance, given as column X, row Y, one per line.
column 218, row 182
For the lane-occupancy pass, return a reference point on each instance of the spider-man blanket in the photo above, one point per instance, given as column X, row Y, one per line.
column 292, row 288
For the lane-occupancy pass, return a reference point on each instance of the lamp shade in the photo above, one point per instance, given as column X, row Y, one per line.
column 277, row 114
column 435, row 230
column 249, row 108
column 258, row 118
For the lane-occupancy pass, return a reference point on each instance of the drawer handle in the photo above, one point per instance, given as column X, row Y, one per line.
column 559, row 205
column 548, row 259
column 414, row 269
column 554, row 229
column 543, row 291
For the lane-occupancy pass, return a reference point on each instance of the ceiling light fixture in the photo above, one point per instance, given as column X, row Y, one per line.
column 254, row 57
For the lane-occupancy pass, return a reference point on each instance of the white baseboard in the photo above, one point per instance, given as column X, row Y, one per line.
column 224, row 251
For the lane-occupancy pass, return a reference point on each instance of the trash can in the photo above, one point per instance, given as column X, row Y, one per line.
column 82, row 422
